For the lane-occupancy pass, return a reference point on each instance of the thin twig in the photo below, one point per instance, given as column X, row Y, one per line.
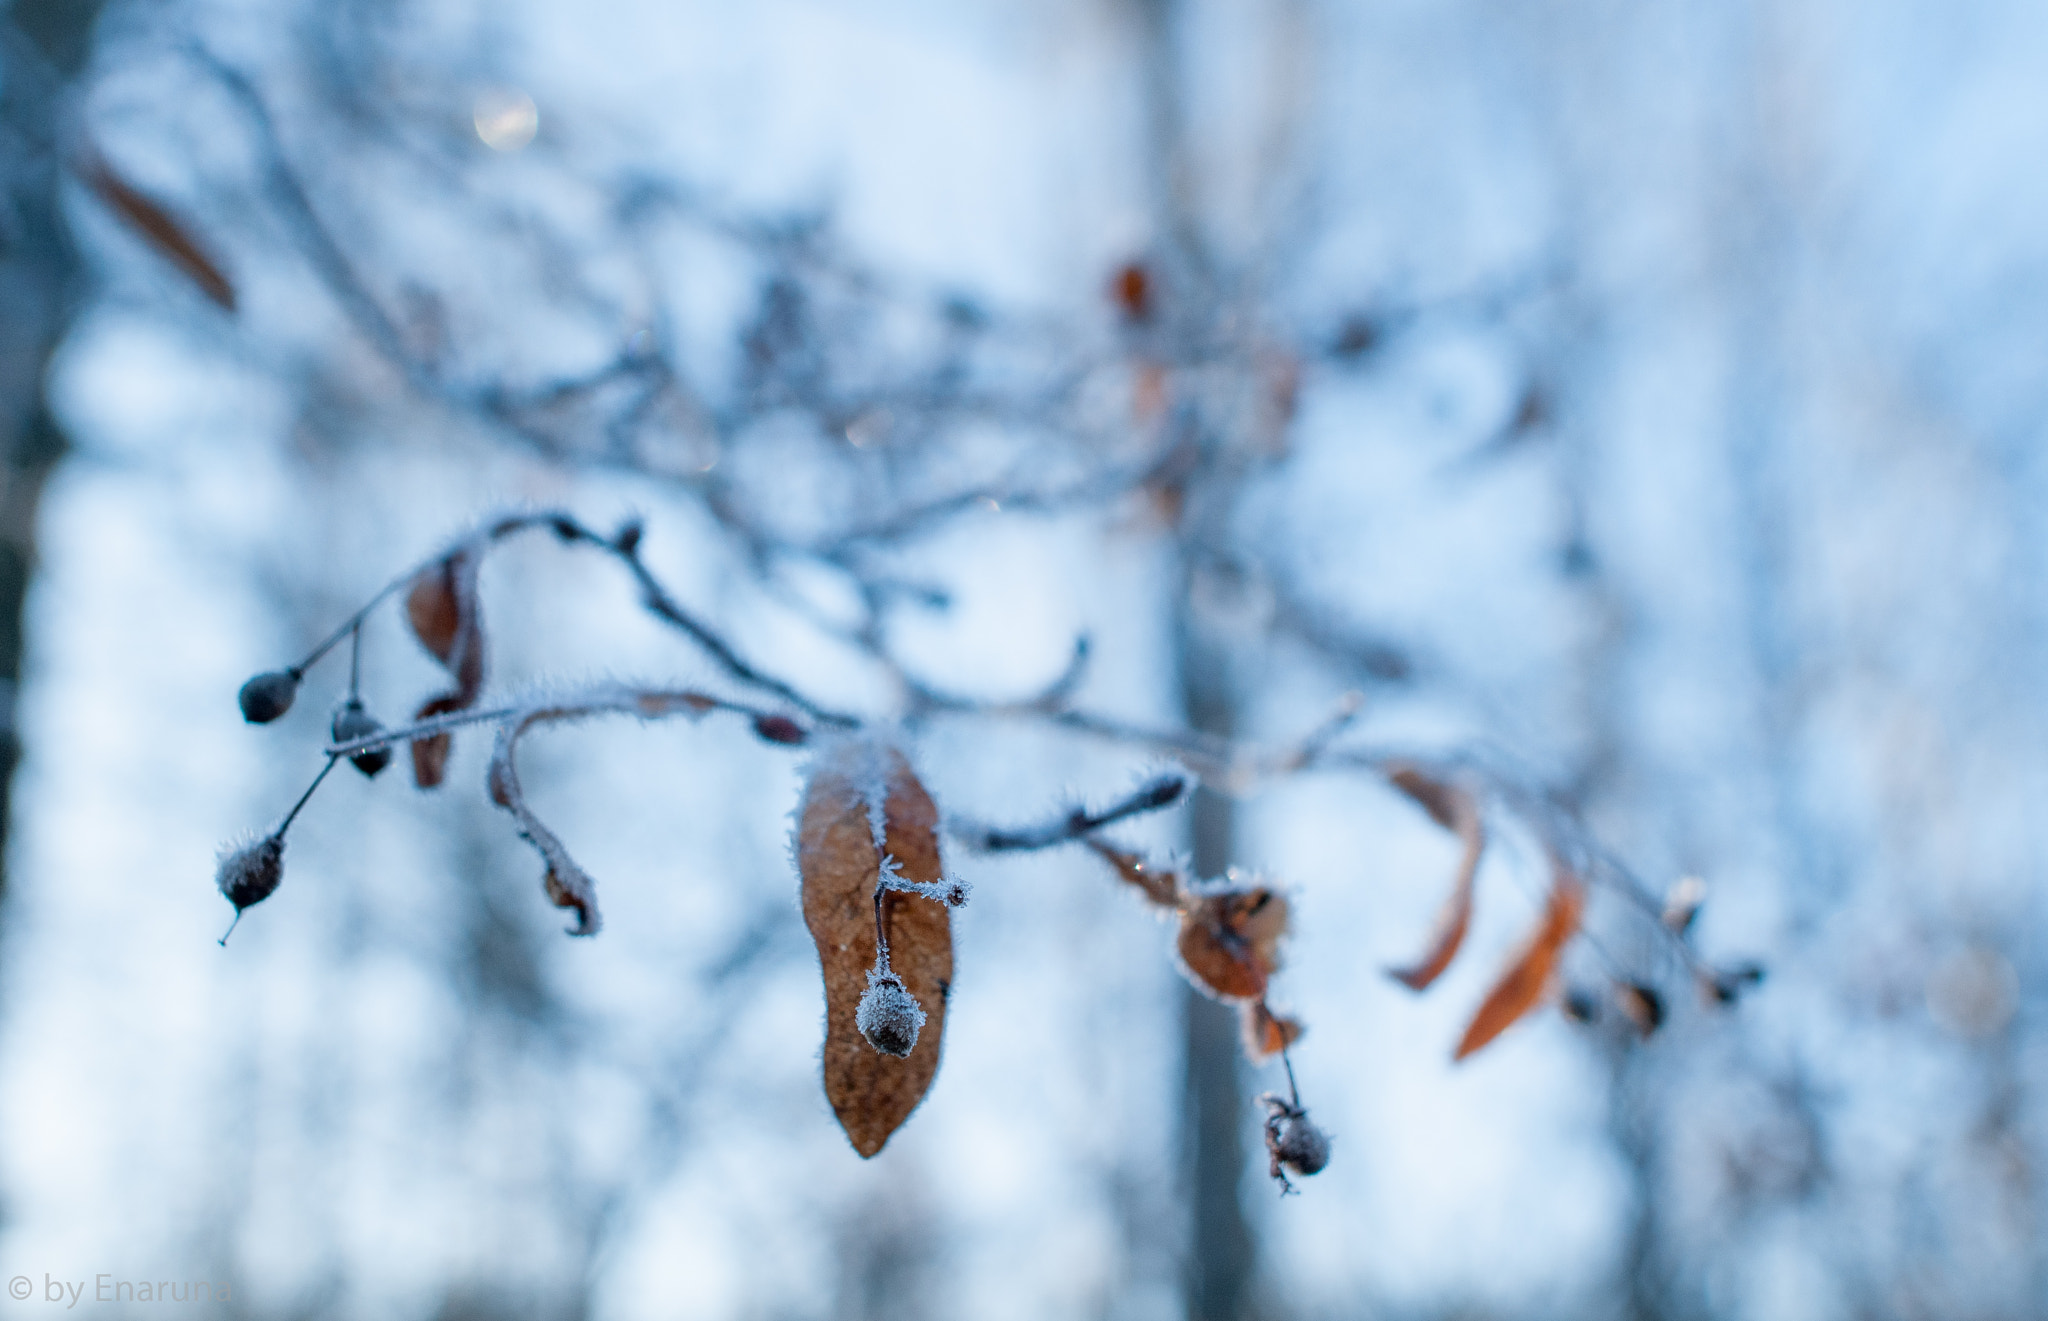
column 1078, row 822
column 286, row 824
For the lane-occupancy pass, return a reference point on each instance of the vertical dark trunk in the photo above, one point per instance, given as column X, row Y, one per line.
column 1221, row 1251
column 1222, row 1254
column 43, row 48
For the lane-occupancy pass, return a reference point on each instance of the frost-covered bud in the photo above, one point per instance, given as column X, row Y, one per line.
column 352, row 722
column 954, row 895
column 268, row 696
column 889, row 1016
column 249, row 875
column 1301, row 1146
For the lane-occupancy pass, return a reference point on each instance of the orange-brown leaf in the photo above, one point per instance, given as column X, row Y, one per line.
column 441, row 605
column 1454, row 809
column 1131, row 289
column 1266, row 1033
column 1161, row 885
column 430, row 754
column 1230, row 941
column 1446, row 803
column 172, row 240
column 433, row 606
column 872, row 1093
column 1522, row 985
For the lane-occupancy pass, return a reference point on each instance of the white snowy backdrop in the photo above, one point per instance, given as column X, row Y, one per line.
column 1670, row 393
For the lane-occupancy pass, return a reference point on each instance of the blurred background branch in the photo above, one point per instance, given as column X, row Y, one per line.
column 1626, row 418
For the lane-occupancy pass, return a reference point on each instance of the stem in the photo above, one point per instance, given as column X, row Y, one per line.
column 423, row 729
column 355, row 662
column 352, row 624
column 652, row 704
column 1162, row 792
column 286, row 824
column 881, row 932
column 1293, row 1092
column 660, row 604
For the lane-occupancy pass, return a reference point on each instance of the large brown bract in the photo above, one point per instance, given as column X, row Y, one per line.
column 870, row 1092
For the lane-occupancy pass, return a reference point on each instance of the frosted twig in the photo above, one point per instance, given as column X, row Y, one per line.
column 1161, row 792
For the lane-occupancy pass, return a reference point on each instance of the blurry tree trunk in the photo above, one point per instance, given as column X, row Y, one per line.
column 43, row 49
column 1221, row 1252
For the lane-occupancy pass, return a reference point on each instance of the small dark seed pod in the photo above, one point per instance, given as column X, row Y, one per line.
column 250, row 874
column 352, row 722
column 889, row 1016
column 779, row 729
column 1302, row 1147
column 268, row 696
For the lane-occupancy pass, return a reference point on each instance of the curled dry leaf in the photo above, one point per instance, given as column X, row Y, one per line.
column 864, row 803
column 1522, row 985
column 1266, row 1033
column 430, row 754
column 1160, row 885
column 441, row 605
column 566, row 883
column 172, row 240
column 1230, row 940
column 1453, row 808
column 443, row 610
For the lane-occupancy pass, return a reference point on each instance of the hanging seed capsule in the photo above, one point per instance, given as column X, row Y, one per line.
column 352, row 722
column 1301, row 1146
column 268, row 696
column 889, row 1016
column 250, row 874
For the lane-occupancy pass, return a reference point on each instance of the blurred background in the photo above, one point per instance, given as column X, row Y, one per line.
column 1641, row 406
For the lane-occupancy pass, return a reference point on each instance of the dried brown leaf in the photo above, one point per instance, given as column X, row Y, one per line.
column 1453, row 808
column 1161, row 885
column 1266, row 1033
column 1446, row 803
column 1522, row 985
column 870, row 1092
column 1230, row 941
column 1131, row 290
column 430, row 754
column 442, row 607
column 172, row 239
